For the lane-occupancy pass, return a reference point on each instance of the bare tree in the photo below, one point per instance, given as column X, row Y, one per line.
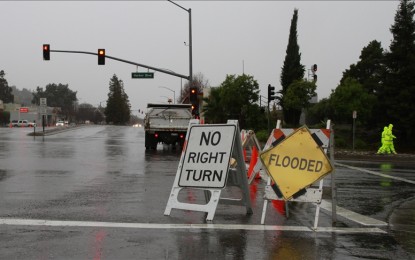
column 199, row 81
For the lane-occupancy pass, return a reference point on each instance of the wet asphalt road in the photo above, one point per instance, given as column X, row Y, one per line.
column 95, row 193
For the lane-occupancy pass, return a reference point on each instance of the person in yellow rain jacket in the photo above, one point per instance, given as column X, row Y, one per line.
column 383, row 147
column 389, row 140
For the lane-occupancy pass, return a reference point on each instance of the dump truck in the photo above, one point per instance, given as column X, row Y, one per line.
column 166, row 124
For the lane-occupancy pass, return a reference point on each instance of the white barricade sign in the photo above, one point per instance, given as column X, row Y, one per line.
column 294, row 189
column 205, row 164
column 296, row 163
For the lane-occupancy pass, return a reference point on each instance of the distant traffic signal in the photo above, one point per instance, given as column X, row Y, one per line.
column 101, row 56
column 195, row 110
column 314, row 70
column 271, row 93
column 193, row 95
column 46, row 51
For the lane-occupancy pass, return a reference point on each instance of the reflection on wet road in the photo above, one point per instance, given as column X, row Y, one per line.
column 389, row 187
column 95, row 193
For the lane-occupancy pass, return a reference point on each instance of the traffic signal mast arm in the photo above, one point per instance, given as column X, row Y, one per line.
column 129, row 62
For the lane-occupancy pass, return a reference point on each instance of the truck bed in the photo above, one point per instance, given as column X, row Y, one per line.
column 166, row 123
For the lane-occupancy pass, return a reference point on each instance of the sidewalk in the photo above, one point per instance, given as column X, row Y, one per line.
column 342, row 154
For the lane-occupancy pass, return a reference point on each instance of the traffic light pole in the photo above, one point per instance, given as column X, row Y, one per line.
column 271, row 93
column 189, row 11
column 269, row 115
column 129, row 62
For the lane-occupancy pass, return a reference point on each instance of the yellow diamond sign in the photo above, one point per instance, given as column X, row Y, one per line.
column 296, row 163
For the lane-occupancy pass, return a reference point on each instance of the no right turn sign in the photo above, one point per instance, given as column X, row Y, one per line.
column 207, row 156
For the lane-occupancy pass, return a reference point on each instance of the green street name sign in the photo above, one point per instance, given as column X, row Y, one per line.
column 142, row 75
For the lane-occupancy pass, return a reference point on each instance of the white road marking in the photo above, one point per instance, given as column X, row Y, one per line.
column 375, row 173
column 60, row 223
column 353, row 216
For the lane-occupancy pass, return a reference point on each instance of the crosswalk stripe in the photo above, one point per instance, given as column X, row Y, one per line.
column 62, row 223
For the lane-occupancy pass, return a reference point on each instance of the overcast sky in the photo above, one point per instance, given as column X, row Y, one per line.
column 229, row 37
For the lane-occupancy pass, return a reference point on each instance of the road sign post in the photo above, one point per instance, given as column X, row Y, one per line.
column 42, row 101
column 43, row 111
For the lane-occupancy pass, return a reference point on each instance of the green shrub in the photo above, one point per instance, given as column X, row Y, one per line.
column 340, row 142
column 262, row 136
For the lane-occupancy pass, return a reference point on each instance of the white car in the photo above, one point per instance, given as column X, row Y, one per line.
column 60, row 123
column 23, row 123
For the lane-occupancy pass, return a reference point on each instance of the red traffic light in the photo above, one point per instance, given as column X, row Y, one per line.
column 193, row 95
column 101, row 56
column 46, row 51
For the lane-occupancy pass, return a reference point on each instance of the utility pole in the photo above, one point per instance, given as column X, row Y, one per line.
column 190, row 40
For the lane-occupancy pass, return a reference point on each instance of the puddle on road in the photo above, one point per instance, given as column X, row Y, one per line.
column 402, row 223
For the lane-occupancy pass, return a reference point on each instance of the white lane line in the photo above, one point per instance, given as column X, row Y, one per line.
column 59, row 223
column 375, row 173
column 353, row 216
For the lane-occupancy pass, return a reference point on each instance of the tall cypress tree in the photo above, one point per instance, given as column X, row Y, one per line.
column 292, row 70
column 399, row 90
column 118, row 106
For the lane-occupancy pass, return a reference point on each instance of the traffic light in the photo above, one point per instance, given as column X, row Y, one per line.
column 314, row 70
column 193, row 95
column 46, row 51
column 195, row 110
column 271, row 93
column 193, row 98
column 101, row 56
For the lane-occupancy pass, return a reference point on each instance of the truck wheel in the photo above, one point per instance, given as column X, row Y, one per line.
column 181, row 144
column 150, row 142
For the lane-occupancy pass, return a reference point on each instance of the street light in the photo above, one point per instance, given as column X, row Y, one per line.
column 174, row 93
column 168, row 99
column 101, row 102
column 190, row 40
